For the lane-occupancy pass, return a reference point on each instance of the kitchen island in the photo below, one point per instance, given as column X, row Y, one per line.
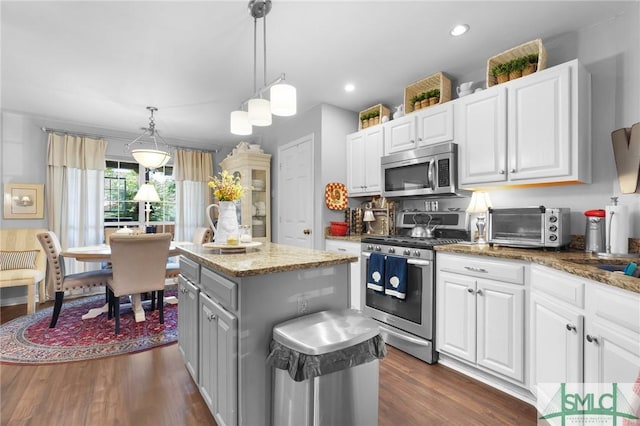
column 229, row 304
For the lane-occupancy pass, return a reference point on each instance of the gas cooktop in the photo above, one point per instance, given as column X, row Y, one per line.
column 407, row 241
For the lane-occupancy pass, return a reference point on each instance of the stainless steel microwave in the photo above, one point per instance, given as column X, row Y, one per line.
column 428, row 171
column 529, row 227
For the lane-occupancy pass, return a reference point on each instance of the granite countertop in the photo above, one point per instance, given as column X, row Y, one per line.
column 353, row 238
column 575, row 262
column 264, row 259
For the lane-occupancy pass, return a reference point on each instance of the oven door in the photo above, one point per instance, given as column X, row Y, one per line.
column 518, row 227
column 415, row 314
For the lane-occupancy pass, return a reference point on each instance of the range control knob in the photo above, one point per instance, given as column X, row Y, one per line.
column 553, row 219
column 392, row 250
column 377, row 248
column 416, row 253
column 406, row 252
column 553, row 228
column 370, row 247
column 553, row 237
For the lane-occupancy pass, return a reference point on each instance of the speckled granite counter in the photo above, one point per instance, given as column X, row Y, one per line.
column 265, row 259
column 352, row 238
column 574, row 262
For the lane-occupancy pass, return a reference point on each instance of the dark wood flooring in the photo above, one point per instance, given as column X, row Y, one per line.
column 154, row 388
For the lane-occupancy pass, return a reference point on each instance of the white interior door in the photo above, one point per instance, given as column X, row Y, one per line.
column 295, row 193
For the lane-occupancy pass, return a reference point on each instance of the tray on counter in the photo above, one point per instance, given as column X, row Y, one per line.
column 232, row 248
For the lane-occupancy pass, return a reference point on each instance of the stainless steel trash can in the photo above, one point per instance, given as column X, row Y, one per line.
column 326, row 370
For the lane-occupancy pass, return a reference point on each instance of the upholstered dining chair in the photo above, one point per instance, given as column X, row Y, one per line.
column 62, row 282
column 138, row 263
column 200, row 236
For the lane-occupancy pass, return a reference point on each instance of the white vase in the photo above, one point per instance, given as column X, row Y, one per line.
column 227, row 221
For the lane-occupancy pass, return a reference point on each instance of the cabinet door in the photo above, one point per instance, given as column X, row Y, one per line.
column 611, row 356
column 434, row 125
column 500, row 328
column 556, row 352
column 456, row 315
column 400, row 134
column 226, row 357
column 355, row 163
column 372, row 151
column 345, row 247
column 208, row 377
column 539, row 124
column 188, row 325
column 481, row 132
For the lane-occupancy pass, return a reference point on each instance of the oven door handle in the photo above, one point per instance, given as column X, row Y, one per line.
column 418, row 262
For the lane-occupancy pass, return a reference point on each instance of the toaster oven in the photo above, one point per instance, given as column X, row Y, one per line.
column 529, row 227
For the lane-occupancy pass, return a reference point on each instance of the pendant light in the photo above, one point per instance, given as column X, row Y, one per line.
column 150, row 158
column 282, row 96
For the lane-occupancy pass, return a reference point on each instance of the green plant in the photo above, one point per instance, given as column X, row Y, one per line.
column 518, row 64
column 500, row 69
column 435, row 93
column 533, row 58
column 414, row 99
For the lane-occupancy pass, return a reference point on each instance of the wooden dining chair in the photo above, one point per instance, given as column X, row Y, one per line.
column 62, row 282
column 138, row 263
column 200, row 236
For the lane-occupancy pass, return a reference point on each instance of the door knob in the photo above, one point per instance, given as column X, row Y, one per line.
column 306, row 231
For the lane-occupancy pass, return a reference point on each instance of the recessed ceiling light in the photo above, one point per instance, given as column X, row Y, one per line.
column 349, row 87
column 458, row 30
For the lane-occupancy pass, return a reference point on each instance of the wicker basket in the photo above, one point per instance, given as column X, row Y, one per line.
column 382, row 112
column 529, row 48
column 434, row 81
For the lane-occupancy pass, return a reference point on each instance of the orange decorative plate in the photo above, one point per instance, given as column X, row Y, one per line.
column 335, row 195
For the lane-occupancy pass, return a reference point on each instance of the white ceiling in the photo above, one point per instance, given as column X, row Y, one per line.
column 100, row 63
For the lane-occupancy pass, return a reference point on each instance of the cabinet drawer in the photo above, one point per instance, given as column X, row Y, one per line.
column 219, row 288
column 342, row 247
column 615, row 305
column 190, row 269
column 559, row 285
column 482, row 267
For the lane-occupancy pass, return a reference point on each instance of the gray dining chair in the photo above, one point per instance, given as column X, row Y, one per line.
column 138, row 263
column 62, row 282
column 200, row 236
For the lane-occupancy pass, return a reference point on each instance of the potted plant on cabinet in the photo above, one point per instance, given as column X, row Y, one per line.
column 364, row 118
column 415, row 101
column 532, row 64
column 516, row 66
column 424, row 99
column 434, row 96
column 501, row 72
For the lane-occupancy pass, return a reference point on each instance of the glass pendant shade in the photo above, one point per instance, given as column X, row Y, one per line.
column 283, row 100
column 240, row 123
column 259, row 112
column 148, row 193
column 151, row 158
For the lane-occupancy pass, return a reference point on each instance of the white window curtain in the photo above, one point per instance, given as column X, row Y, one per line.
column 75, row 194
column 191, row 172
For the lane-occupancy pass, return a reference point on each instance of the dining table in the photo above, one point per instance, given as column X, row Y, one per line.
column 102, row 253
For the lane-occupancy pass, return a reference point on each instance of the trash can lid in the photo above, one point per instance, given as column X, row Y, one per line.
column 326, row 331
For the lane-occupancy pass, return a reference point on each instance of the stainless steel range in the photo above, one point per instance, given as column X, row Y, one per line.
column 409, row 323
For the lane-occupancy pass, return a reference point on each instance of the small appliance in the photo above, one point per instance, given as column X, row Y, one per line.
column 594, row 233
column 529, row 227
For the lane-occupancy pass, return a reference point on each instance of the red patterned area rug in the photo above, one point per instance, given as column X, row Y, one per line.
column 29, row 340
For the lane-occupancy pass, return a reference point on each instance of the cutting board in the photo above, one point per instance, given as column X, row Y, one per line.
column 626, row 151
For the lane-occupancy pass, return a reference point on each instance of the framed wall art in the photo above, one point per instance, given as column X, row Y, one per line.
column 23, row 201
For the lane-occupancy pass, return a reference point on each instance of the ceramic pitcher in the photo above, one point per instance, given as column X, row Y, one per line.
column 227, row 221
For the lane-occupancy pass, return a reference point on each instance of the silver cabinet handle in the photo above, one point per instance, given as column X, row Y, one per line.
column 592, row 339
column 501, row 171
column 474, row 269
column 211, row 317
column 571, row 327
column 512, row 171
column 470, row 290
column 479, row 292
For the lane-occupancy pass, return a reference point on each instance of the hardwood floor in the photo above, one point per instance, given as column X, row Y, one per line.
column 154, row 388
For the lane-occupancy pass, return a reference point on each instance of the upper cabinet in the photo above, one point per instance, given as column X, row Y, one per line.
column 532, row 130
column 425, row 127
column 364, row 150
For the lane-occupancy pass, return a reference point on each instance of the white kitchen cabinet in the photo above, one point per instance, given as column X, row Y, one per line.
column 188, row 325
column 364, row 150
column 480, row 313
column 424, row 127
column 581, row 331
column 219, row 361
column 533, row 130
column 355, row 284
column 255, row 206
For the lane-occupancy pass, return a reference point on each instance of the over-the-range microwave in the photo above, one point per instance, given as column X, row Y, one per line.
column 428, row 171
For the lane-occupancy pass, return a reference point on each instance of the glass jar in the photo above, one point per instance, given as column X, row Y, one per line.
column 245, row 234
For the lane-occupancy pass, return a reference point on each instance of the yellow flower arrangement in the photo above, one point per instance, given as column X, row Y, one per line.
column 226, row 187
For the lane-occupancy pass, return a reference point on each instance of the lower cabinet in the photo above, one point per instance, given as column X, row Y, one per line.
column 219, row 361
column 480, row 313
column 355, row 284
column 188, row 325
column 581, row 331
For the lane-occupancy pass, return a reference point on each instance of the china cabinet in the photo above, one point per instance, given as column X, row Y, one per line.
column 254, row 209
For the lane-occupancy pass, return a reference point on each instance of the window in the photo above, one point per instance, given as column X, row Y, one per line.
column 121, row 183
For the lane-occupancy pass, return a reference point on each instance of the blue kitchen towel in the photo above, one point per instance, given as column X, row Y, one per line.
column 395, row 280
column 375, row 273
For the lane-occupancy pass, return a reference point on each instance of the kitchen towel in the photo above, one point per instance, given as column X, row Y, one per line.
column 396, row 277
column 617, row 222
column 375, row 273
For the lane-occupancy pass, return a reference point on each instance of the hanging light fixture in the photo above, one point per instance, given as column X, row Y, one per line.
column 282, row 96
column 150, row 158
